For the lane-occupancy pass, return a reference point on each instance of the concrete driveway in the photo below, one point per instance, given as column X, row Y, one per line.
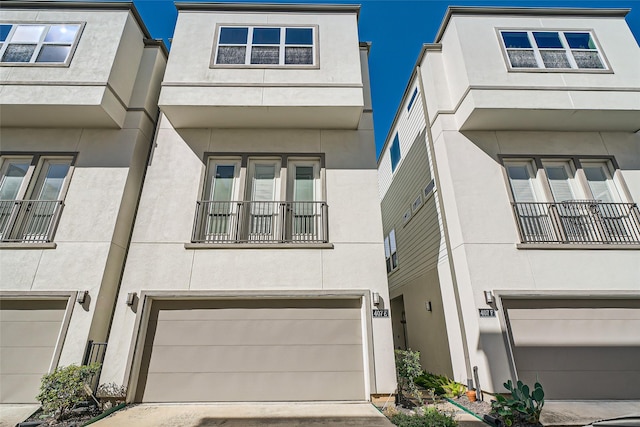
column 248, row 415
column 12, row 414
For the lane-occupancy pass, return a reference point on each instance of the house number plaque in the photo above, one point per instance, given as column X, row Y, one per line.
column 487, row 312
column 381, row 313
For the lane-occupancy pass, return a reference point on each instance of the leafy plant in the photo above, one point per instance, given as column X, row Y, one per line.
column 407, row 370
column 426, row 417
column 64, row 388
column 432, row 382
column 453, row 389
column 524, row 403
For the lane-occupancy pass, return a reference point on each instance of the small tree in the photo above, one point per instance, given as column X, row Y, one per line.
column 64, row 388
column 408, row 368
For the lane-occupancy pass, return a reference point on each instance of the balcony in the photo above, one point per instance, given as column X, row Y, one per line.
column 29, row 221
column 578, row 222
column 260, row 222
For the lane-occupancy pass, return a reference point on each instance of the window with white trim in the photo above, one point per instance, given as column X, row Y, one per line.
column 394, row 153
column 391, row 251
column 412, row 99
column 555, row 50
column 38, row 43
column 32, row 189
column 265, row 46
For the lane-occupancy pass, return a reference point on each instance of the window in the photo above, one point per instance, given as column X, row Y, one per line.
column 395, row 153
column 413, row 99
column 570, row 200
column 262, row 199
column 390, row 251
column 560, row 50
column 428, row 190
column 262, row 46
column 32, row 190
column 417, row 203
column 38, row 43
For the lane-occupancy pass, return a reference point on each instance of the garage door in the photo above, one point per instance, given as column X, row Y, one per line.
column 288, row 350
column 579, row 349
column 29, row 332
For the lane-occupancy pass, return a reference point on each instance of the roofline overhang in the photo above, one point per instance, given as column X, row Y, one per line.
column 526, row 11
column 97, row 5
column 270, row 7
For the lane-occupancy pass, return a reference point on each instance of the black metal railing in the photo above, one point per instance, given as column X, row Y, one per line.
column 578, row 221
column 260, row 222
column 31, row 221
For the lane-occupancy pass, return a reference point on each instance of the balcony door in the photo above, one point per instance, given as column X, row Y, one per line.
column 220, row 204
column 264, row 207
column 304, row 191
column 12, row 187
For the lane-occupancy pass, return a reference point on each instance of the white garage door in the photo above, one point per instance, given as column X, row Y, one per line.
column 579, row 349
column 29, row 331
column 286, row 350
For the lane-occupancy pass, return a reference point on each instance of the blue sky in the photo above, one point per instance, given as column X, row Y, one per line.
column 397, row 30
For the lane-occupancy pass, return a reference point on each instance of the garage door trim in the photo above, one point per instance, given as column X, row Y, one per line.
column 146, row 299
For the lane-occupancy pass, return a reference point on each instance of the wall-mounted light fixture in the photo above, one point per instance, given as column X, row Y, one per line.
column 428, row 306
column 131, row 297
column 488, row 297
column 82, row 297
column 375, row 298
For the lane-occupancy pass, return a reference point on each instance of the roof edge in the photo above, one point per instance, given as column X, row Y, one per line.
column 52, row 4
column 531, row 11
column 270, row 7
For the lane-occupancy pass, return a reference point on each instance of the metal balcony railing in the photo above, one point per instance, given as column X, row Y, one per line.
column 260, row 222
column 578, row 221
column 29, row 221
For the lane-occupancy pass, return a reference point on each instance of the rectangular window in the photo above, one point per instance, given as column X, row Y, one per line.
column 266, row 46
column 256, row 199
column 570, row 200
column 413, row 99
column 32, row 191
column 395, row 153
column 38, row 43
column 390, row 251
column 556, row 50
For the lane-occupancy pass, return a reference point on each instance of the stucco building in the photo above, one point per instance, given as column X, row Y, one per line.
column 79, row 85
column 256, row 259
column 509, row 185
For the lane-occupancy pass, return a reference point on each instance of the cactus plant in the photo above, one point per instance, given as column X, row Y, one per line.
column 524, row 402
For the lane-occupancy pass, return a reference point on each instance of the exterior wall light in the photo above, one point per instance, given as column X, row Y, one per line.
column 428, row 306
column 488, row 297
column 375, row 298
column 131, row 297
column 82, row 297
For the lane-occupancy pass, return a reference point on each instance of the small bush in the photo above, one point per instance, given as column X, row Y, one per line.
column 432, row 382
column 523, row 404
column 408, row 369
column 64, row 388
column 429, row 417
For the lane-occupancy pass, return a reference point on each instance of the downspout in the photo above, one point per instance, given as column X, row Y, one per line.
column 445, row 228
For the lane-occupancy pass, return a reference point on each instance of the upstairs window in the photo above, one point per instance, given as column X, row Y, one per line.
column 413, row 99
column 391, row 251
column 555, row 50
column 266, row 46
column 394, row 151
column 38, row 43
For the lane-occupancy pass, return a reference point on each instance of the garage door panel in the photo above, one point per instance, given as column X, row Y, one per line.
column 21, row 360
column 32, row 310
column 586, row 385
column 265, row 386
column 29, row 334
column 559, row 358
column 260, row 313
column 19, row 388
column 257, row 332
column 255, row 358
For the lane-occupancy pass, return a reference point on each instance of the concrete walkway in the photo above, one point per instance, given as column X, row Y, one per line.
column 248, row 415
column 581, row 413
column 12, row 414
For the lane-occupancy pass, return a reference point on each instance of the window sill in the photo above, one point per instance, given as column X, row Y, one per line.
column 579, row 246
column 24, row 245
column 258, row 245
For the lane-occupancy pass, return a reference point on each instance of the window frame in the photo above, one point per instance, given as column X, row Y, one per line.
column 282, row 45
column 39, row 45
column 391, row 251
column 567, row 49
column 395, row 146
column 412, row 100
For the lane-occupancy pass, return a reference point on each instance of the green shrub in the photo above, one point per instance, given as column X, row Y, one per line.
column 432, row 382
column 453, row 389
column 65, row 387
column 524, row 403
column 408, row 369
column 429, row 417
